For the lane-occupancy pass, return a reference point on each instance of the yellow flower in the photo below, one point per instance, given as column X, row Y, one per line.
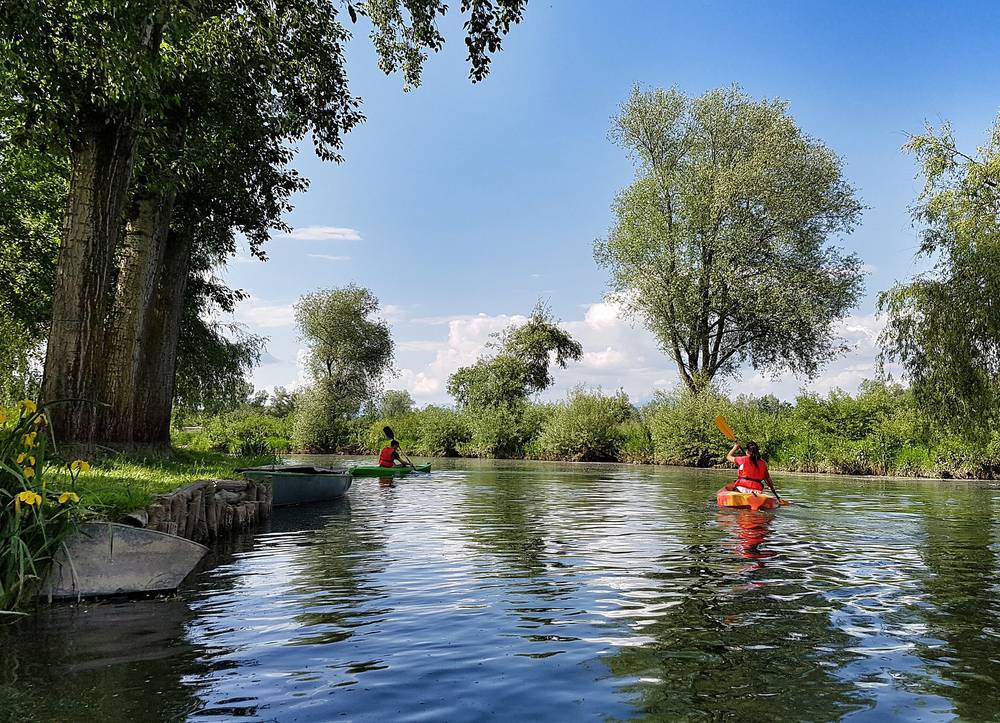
column 68, row 497
column 27, row 406
column 80, row 465
column 21, row 457
column 29, row 498
column 3, row 415
column 28, row 440
column 29, row 472
column 41, row 420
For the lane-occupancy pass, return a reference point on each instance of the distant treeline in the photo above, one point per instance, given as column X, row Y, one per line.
column 879, row 431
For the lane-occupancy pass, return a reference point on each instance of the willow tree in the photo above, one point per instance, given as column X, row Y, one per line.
column 944, row 325
column 721, row 245
column 349, row 352
column 109, row 81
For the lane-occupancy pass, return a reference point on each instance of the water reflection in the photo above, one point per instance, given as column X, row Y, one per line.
column 750, row 530
column 546, row 592
column 963, row 610
column 107, row 661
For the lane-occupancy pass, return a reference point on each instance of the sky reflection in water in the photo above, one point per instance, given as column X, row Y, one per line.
column 524, row 590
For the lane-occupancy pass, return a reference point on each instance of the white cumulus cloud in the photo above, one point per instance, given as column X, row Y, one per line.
column 324, row 233
column 259, row 314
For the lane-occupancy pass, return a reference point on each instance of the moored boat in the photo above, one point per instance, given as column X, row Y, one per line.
column 107, row 558
column 300, row 484
column 376, row 471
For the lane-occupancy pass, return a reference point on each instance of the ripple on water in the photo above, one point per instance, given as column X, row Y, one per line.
column 533, row 591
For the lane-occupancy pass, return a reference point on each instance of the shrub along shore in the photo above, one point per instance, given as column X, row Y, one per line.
column 879, row 431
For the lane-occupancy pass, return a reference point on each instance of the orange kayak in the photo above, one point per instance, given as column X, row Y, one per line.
column 759, row 501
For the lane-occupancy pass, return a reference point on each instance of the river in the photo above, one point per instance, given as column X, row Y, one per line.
column 534, row 591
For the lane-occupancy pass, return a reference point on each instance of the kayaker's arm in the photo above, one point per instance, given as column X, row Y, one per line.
column 731, row 457
column 771, row 485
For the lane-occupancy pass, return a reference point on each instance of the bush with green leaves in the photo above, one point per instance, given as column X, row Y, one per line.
column 682, row 427
column 587, row 427
column 429, row 432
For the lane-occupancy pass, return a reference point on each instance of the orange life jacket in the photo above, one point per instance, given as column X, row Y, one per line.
column 386, row 458
column 751, row 475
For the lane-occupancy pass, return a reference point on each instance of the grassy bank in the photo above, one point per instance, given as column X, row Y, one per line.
column 117, row 485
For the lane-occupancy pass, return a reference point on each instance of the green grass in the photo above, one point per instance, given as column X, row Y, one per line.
column 118, row 485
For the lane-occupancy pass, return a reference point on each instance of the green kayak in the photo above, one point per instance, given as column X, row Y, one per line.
column 376, row 471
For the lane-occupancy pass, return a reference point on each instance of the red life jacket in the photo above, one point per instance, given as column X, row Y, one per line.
column 386, row 458
column 751, row 475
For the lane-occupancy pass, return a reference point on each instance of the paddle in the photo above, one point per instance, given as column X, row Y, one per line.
column 391, row 435
column 728, row 433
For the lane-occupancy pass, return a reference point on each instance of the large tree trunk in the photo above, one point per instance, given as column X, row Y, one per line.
column 101, row 170
column 139, row 270
column 158, row 361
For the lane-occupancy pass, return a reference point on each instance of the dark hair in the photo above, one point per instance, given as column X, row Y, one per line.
column 394, row 444
column 754, row 451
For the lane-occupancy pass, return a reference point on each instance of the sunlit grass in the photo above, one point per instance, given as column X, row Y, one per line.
column 118, row 485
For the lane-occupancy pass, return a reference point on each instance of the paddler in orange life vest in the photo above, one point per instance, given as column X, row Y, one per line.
column 389, row 456
column 752, row 471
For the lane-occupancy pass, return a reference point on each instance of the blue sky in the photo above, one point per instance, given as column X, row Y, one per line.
column 460, row 205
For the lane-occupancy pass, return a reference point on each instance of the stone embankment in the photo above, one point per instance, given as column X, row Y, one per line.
column 206, row 510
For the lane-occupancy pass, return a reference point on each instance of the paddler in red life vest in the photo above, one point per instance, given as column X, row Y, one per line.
column 752, row 471
column 389, row 456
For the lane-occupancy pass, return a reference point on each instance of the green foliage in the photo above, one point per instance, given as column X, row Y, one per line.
column 943, row 326
column 402, row 45
column 520, row 368
column 721, row 244
column 429, row 432
column 321, row 423
column 493, row 393
column 249, row 434
column 499, row 431
column 32, row 197
column 35, row 516
column 395, row 403
column 213, row 359
column 348, row 350
column 349, row 353
column 682, row 427
column 589, row 427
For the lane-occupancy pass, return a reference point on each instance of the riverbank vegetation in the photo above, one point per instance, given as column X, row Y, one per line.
column 882, row 430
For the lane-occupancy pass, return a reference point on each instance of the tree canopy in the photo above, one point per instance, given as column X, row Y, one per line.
column 178, row 122
column 349, row 349
column 520, row 367
column 944, row 325
column 721, row 244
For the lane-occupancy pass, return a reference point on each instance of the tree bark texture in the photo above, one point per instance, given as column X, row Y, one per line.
column 139, row 270
column 157, row 366
column 101, row 170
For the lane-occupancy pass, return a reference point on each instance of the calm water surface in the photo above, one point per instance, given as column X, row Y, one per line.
column 525, row 591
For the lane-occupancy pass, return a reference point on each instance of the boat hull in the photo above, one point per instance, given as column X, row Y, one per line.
column 107, row 558
column 744, row 500
column 374, row 471
column 300, row 488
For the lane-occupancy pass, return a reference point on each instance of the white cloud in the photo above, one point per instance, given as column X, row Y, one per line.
column 617, row 354
column 419, row 346
column 328, row 257
column 395, row 312
column 261, row 315
column 324, row 233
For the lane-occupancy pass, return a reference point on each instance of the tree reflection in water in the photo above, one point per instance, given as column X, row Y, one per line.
column 963, row 641
column 731, row 640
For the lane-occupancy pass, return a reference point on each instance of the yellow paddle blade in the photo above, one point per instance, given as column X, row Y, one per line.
column 720, row 422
